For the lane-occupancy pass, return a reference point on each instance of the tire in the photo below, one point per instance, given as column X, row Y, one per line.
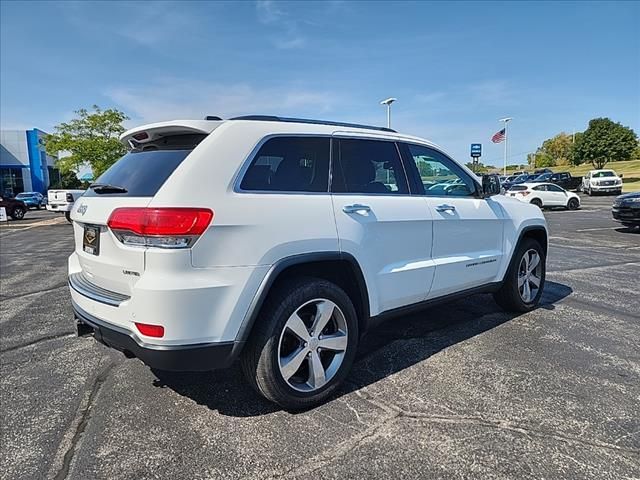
column 18, row 213
column 67, row 215
column 573, row 204
column 272, row 340
column 510, row 297
column 537, row 202
column 590, row 192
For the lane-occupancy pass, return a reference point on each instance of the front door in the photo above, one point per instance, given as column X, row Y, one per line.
column 467, row 230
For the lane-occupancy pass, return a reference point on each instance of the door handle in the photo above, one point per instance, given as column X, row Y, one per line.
column 356, row 207
column 445, row 208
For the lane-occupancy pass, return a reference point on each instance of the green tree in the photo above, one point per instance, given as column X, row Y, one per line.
column 605, row 141
column 425, row 168
column 540, row 159
column 558, row 148
column 68, row 179
column 91, row 137
column 480, row 168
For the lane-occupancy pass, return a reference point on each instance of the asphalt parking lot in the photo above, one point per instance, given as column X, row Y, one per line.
column 460, row 390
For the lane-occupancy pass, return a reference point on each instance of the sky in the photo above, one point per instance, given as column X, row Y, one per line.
column 455, row 68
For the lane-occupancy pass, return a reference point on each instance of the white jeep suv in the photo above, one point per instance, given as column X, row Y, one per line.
column 280, row 241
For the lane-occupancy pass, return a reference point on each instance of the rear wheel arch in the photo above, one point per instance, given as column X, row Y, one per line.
column 339, row 268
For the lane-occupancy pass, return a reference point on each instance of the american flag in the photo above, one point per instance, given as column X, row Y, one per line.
column 498, row 137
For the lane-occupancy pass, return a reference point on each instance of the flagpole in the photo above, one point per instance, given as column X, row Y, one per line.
column 506, row 141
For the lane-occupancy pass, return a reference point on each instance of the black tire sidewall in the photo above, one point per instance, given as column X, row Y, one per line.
column 525, row 245
column 289, row 297
column 18, row 213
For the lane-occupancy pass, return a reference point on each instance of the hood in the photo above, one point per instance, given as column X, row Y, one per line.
column 626, row 196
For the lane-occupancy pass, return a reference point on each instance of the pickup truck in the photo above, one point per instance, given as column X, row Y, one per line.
column 602, row 181
column 62, row 201
column 565, row 180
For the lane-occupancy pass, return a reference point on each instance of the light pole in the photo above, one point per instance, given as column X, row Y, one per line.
column 388, row 103
column 506, row 121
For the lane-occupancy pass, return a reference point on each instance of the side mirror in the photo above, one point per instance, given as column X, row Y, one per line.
column 621, row 175
column 490, row 185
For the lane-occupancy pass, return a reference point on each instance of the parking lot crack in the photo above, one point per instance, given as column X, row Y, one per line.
column 81, row 421
column 36, row 341
column 26, row 294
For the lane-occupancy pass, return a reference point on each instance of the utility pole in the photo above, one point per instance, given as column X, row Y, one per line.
column 388, row 103
column 506, row 121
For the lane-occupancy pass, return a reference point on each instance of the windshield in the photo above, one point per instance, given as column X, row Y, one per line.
column 521, row 178
column 544, row 176
column 138, row 174
column 25, row 195
column 606, row 173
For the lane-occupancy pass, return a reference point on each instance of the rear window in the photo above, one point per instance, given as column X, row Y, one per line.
column 140, row 173
column 606, row 173
column 515, row 188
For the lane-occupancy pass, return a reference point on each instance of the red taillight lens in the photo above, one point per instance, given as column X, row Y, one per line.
column 525, row 193
column 151, row 330
column 160, row 227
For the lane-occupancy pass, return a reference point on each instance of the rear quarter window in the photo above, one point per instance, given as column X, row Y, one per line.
column 289, row 164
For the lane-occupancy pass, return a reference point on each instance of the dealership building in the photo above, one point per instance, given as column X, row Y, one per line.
column 24, row 164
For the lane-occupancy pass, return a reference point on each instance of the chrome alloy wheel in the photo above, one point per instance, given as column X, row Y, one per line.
column 312, row 345
column 529, row 275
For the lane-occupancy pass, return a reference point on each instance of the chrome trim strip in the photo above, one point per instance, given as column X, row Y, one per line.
column 84, row 287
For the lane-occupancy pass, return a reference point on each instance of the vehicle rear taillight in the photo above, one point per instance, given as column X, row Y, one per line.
column 70, row 198
column 150, row 330
column 524, row 193
column 159, row 227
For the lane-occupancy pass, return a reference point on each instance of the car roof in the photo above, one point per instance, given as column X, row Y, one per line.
column 278, row 124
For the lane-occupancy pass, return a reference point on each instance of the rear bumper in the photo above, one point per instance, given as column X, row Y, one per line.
column 60, row 207
column 182, row 358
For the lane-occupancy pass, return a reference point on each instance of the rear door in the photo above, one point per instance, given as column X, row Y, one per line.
column 387, row 230
column 132, row 182
column 556, row 196
column 467, row 230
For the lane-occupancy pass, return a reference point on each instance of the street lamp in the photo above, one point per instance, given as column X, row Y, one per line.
column 388, row 103
column 506, row 120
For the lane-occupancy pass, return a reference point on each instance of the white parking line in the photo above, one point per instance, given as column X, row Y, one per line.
column 599, row 228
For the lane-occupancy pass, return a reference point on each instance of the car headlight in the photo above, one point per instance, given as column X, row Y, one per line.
column 632, row 200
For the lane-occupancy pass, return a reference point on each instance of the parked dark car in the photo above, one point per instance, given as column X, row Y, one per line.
column 543, row 177
column 565, row 180
column 626, row 209
column 525, row 177
column 540, row 171
column 15, row 208
column 32, row 199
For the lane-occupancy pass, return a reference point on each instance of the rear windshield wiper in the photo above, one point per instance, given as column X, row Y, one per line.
column 107, row 188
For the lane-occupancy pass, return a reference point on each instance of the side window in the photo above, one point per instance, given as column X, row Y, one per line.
column 290, row 164
column 554, row 188
column 540, row 188
column 439, row 175
column 367, row 166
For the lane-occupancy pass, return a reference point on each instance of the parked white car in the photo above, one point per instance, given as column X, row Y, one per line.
column 544, row 195
column 281, row 241
column 602, row 181
column 62, row 201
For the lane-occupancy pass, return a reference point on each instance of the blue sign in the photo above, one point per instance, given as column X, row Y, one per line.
column 476, row 150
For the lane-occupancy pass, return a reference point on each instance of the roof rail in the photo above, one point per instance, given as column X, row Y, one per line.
column 273, row 118
column 212, row 117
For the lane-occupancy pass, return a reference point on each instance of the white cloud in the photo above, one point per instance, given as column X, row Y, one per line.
column 285, row 26
column 178, row 98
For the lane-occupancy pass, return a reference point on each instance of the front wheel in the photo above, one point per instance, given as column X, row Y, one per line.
column 18, row 213
column 573, row 204
column 524, row 281
column 303, row 344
